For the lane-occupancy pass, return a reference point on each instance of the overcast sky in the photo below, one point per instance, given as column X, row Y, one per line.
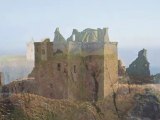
column 135, row 24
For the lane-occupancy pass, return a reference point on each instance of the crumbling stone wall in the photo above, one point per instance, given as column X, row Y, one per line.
column 89, row 35
column 85, row 75
column 138, row 70
column 121, row 69
column 20, row 86
column 60, row 44
column 85, row 70
column 43, row 51
column 51, row 79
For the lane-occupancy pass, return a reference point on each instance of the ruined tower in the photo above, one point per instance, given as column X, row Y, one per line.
column 92, row 64
column 83, row 67
column 139, row 69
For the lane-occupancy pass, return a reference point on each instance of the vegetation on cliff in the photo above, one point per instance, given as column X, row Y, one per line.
column 33, row 107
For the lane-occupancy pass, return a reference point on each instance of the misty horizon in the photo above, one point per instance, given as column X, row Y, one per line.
column 133, row 24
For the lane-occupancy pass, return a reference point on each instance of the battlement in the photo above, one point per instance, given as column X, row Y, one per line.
column 89, row 41
column 90, row 35
column 84, row 43
column 88, row 48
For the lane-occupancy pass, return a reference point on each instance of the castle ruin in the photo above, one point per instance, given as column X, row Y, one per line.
column 139, row 69
column 83, row 67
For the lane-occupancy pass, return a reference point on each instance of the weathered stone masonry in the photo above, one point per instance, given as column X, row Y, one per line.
column 83, row 67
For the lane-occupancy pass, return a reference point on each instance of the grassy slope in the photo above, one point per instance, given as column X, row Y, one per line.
column 40, row 108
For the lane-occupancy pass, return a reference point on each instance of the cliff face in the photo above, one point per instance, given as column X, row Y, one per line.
column 141, row 104
column 139, row 70
column 146, row 107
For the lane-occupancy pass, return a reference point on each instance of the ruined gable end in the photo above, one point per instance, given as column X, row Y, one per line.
column 60, row 44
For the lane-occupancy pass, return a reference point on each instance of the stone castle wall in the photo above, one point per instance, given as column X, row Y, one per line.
column 51, row 79
column 21, row 86
column 74, row 48
column 110, row 67
column 85, row 49
column 93, row 48
column 43, row 51
column 84, row 76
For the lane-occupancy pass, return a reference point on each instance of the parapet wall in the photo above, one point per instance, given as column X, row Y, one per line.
column 110, row 67
column 93, row 48
column 85, row 49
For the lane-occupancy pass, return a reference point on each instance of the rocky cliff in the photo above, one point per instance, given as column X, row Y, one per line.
column 146, row 107
column 141, row 103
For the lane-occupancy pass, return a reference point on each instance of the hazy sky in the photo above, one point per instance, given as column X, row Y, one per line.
column 135, row 24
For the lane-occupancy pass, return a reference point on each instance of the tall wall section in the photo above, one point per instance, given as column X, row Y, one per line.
column 85, row 71
column 50, row 71
column 85, row 76
column 110, row 67
column 51, row 77
column 96, row 65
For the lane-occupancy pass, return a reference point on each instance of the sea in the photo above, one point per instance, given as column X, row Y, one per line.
column 154, row 70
